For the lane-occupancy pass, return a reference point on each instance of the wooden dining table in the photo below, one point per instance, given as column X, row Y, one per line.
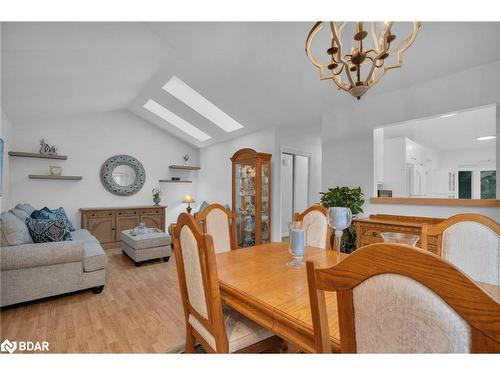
column 257, row 282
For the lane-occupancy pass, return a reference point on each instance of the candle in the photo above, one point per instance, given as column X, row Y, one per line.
column 298, row 242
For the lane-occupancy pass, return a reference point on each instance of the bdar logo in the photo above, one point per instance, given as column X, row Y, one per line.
column 8, row 346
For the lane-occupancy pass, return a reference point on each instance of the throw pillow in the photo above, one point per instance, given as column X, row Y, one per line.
column 57, row 214
column 60, row 214
column 47, row 230
column 203, row 205
column 14, row 230
column 20, row 214
column 44, row 213
column 28, row 208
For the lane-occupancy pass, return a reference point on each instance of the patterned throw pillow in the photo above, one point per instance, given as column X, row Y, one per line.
column 47, row 230
column 57, row 214
column 60, row 214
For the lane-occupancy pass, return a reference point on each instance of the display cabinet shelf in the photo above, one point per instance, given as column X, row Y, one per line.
column 35, row 155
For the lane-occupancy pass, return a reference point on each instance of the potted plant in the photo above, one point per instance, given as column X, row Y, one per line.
column 156, row 196
column 345, row 197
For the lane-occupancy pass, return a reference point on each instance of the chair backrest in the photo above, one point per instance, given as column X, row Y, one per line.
column 472, row 243
column 318, row 230
column 199, row 285
column 397, row 298
column 220, row 223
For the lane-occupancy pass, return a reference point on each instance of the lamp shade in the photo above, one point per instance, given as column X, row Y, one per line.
column 188, row 199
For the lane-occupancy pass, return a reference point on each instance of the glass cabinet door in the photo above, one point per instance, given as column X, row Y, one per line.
column 245, row 204
column 265, row 204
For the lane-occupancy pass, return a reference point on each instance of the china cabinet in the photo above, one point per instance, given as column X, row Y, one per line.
column 252, row 196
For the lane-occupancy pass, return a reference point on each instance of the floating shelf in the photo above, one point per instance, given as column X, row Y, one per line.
column 50, row 177
column 34, row 155
column 185, row 167
column 175, row 181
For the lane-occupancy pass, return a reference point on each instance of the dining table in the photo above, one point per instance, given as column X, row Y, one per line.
column 257, row 282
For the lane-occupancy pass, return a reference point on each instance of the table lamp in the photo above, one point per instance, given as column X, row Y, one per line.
column 188, row 199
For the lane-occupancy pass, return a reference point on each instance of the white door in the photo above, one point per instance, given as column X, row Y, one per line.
column 294, row 187
column 301, row 183
column 286, row 192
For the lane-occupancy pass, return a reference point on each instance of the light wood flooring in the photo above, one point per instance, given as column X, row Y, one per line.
column 139, row 311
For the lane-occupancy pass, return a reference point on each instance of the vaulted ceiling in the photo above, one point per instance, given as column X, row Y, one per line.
column 257, row 73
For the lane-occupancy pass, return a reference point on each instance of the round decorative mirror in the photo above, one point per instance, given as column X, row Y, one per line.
column 123, row 175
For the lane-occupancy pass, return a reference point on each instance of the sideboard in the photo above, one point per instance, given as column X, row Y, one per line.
column 368, row 229
column 106, row 223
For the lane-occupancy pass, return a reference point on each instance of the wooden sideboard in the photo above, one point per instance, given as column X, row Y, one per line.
column 106, row 223
column 368, row 229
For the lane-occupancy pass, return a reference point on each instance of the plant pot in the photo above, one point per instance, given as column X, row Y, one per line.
column 157, row 201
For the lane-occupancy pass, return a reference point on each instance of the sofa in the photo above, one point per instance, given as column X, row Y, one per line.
column 30, row 271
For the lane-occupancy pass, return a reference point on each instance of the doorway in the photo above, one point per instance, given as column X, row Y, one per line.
column 294, row 187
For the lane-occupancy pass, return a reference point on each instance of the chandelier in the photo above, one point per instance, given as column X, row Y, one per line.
column 365, row 64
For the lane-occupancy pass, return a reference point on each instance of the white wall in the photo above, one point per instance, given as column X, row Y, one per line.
column 215, row 175
column 7, row 136
column 478, row 156
column 88, row 141
column 348, row 131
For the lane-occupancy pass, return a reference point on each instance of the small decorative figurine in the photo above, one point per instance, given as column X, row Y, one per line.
column 46, row 149
column 54, row 170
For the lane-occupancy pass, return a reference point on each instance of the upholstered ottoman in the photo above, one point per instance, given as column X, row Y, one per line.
column 146, row 246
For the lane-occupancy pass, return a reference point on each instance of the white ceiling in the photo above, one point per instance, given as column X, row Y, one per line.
column 255, row 72
column 458, row 132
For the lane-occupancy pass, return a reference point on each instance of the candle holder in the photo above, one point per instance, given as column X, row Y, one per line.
column 297, row 241
column 339, row 218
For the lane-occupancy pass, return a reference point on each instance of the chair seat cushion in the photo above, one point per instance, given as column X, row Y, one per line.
column 241, row 331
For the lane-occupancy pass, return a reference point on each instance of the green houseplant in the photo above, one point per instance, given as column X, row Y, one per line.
column 345, row 197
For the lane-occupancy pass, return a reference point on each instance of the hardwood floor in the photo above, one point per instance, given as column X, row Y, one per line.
column 139, row 311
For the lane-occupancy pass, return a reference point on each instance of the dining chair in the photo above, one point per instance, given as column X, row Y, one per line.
column 393, row 298
column 218, row 328
column 220, row 223
column 318, row 230
column 472, row 243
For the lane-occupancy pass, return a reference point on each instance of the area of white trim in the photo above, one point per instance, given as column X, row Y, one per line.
column 176, row 121
column 182, row 91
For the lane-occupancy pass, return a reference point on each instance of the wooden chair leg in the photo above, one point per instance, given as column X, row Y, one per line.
column 189, row 340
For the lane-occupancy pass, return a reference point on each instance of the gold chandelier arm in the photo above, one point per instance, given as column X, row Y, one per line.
column 404, row 45
column 336, row 37
column 374, row 37
column 312, row 33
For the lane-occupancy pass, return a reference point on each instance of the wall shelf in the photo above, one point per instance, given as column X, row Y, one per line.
column 185, row 167
column 50, row 177
column 35, row 155
column 176, row 181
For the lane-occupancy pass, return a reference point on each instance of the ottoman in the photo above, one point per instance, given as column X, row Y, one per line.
column 146, row 246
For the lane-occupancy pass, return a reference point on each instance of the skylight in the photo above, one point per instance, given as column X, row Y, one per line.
column 176, row 87
column 176, row 121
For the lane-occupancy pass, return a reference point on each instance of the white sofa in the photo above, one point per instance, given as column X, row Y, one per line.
column 31, row 271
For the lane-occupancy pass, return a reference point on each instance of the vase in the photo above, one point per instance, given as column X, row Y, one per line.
column 157, row 201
